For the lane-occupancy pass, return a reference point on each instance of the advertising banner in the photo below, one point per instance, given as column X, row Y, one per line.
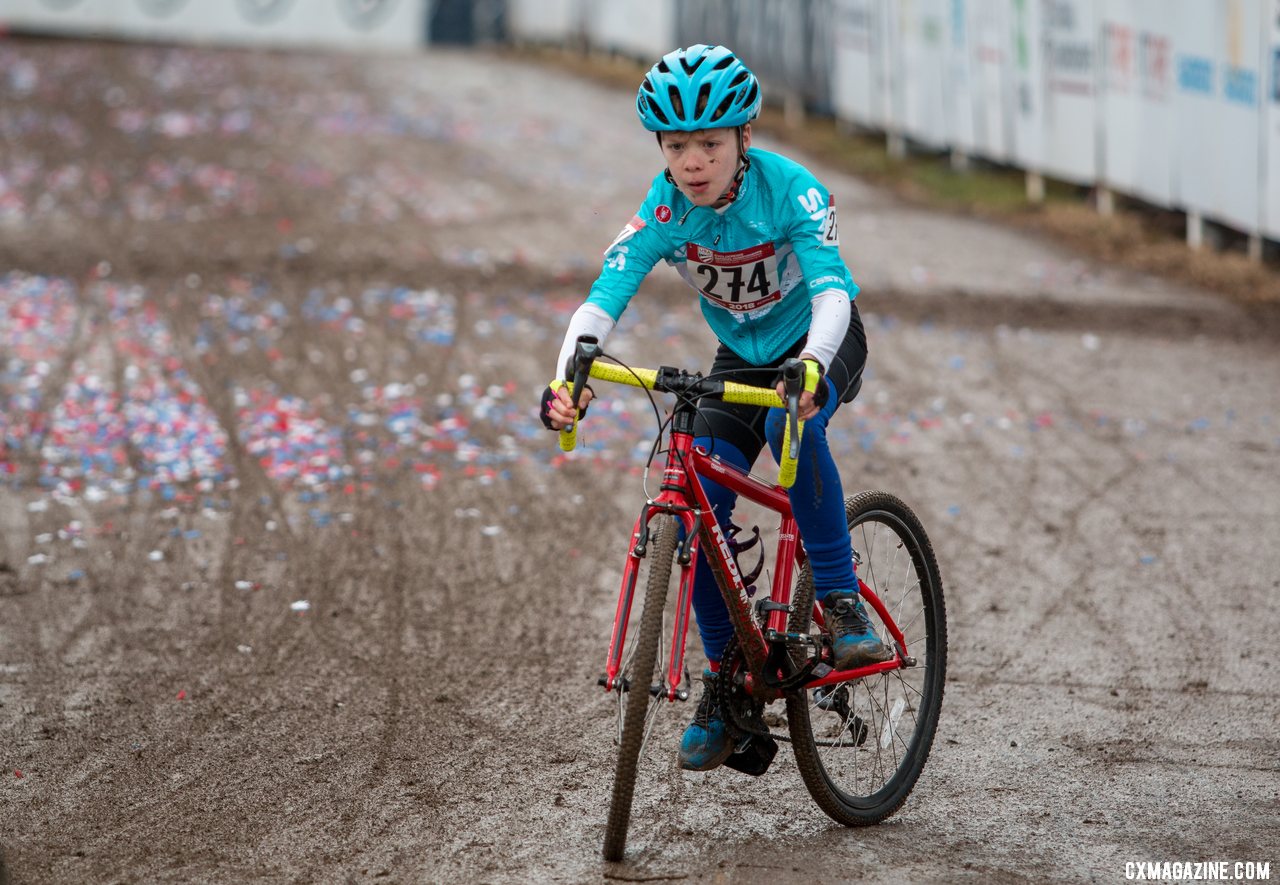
column 1239, row 130
column 921, row 25
column 1271, row 120
column 957, row 83
column 1137, row 99
column 856, row 89
column 991, row 77
column 397, row 24
column 889, row 67
column 1070, row 89
column 1219, row 109
column 1028, row 84
column 1196, row 37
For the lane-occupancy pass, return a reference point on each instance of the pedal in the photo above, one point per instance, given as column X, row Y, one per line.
column 754, row 755
column 832, row 698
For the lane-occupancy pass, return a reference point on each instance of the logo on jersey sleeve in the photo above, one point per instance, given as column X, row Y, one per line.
column 662, row 213
column 814, row 205
column 737, row 281
column 632, row 227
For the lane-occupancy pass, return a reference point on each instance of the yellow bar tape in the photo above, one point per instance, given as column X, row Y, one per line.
column 617, row 374
column 734, row 392
column 751, row 396
column 568, row 436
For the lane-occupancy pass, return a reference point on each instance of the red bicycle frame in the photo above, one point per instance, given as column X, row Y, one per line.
column 683, row 496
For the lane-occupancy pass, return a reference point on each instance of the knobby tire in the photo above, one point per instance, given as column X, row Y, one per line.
column 661, row 555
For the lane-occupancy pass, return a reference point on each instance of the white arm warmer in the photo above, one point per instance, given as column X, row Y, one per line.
column 590, row 320
column 829, row 325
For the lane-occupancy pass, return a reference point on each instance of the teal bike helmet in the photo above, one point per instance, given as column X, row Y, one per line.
column 702, row 87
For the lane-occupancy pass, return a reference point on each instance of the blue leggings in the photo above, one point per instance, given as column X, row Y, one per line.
column 817, row 500
column 738, row 434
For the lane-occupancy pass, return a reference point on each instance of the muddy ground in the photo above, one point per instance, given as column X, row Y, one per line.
column 295, row 589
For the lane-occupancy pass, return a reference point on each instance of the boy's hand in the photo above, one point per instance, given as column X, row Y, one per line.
column 557, row 408
column 808, row 408
column 810, row 402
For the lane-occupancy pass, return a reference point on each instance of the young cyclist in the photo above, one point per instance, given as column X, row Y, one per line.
column 755, row 235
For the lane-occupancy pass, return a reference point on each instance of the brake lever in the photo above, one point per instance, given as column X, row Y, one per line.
column 793, row 381
column 584, row 354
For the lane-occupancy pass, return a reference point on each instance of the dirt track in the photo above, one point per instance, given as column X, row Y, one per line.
column 276, row 325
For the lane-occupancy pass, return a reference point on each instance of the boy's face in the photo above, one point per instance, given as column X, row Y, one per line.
column 703, row 163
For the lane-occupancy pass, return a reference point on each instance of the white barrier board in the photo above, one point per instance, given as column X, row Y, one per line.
column 1137, row 99
column 1196, row 37
column 857, row 92
column 551, row 21
column 1070, row 89
column 390, row 24
column 1240, row 132
column 957, row 82
column 58, row 16
column 1027, row 64
column 990, row 50
column 1271, row 123
column 641, row 30
column 920, row 27
column 1219, row 110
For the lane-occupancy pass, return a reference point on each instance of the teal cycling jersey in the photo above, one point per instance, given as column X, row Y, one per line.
column 755, row 264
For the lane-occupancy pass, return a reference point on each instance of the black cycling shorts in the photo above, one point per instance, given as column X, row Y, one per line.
column 743, row 426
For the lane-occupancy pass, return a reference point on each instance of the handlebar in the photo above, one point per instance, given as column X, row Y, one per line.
column 584, row 356
column 668, row 380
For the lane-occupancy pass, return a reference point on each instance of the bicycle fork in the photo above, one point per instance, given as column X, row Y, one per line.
column 673, row 687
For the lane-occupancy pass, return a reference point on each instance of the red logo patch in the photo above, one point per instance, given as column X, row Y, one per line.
column 662, row 213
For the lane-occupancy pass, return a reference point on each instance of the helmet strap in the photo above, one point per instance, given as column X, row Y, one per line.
column 744, row 163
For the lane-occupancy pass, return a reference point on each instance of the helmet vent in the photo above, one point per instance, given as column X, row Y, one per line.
column 722, row 109
column 704, row 95
column 751, row 96
column 677, row 103
column 739, row 80
column 690, row 68
column 724, row 63
column 657, row 112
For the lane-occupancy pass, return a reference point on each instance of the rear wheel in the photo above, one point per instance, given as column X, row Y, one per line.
column 861, row 745
column 642, row 668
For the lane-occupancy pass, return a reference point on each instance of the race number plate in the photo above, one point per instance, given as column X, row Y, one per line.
column 738, row 281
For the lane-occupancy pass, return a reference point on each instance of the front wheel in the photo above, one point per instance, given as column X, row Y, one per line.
column 639, row 707
column 861, row 745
